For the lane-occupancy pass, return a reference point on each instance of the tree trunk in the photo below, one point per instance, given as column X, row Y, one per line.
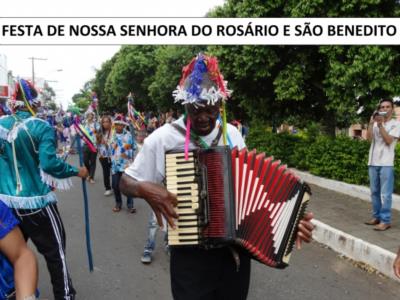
column 329, row 124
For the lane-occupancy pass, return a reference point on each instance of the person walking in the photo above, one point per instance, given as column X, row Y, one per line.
column 104, row 139
column 122, row 152
column 30, row 171
column 89, row 157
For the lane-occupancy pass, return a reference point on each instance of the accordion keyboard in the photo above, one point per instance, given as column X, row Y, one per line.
column 181, row 179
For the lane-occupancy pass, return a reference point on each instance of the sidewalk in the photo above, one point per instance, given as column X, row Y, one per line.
column 340, row 224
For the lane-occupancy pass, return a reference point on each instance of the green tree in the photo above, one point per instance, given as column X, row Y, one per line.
column 99, row 85
column 132, row 71
column 84, row 98
column 47, row 95
column 327, row 84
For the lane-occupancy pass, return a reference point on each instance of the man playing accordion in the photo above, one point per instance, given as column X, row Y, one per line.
column 196, row 272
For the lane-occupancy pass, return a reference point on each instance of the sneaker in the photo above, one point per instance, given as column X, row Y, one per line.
column 146, row 258
column 91, row 181
column 132, row 210
column 108, row 193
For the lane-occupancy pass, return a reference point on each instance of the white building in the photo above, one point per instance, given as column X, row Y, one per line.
column 4, row 86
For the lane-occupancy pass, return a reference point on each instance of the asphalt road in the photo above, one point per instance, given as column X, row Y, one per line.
column 118, row 239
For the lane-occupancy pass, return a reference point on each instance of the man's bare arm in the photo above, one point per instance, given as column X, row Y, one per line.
column 161, row 201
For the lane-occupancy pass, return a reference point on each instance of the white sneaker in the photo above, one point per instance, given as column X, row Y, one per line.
column 146, row 258
column 108, row 193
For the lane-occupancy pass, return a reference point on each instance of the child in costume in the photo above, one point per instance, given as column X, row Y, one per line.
column 122, row 153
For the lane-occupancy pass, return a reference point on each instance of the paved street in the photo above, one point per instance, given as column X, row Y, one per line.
column 118, row 239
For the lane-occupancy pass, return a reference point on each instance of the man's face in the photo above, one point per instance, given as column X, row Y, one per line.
column 119, row 128
column 387, row 107
column 203, row 118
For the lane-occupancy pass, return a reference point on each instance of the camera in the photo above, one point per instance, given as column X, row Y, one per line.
column 380, row 113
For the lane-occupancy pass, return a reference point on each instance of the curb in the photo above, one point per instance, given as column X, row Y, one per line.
column 355, row 248
column 353, row 190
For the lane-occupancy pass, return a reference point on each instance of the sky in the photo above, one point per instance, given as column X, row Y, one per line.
column 69, row 67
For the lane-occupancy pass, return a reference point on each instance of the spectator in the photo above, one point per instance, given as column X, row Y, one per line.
column 383, row 132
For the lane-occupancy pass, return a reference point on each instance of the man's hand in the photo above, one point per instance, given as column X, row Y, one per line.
column 83, row 172
column 161, row 201
column 305, row 229
column 396, row 265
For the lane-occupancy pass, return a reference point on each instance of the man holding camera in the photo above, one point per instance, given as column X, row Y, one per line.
column 383, row 132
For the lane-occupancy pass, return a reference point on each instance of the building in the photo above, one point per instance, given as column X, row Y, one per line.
column 4, row 84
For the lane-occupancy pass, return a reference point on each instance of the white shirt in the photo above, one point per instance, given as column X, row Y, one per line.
column 149, row 165
column 381, row 154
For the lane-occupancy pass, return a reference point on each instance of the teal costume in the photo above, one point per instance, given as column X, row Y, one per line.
column 30, row 169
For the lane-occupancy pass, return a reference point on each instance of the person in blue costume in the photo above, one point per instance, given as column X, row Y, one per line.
column 18, row 266
column 30, row 171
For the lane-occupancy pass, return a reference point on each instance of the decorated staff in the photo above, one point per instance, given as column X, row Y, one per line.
column 131, row 111
column 29, row 166
column 86, row 137
column 85, row 196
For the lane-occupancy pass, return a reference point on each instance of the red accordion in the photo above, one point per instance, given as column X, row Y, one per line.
column 236, row 197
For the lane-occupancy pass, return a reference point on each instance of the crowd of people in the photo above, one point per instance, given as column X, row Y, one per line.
column 34, row 147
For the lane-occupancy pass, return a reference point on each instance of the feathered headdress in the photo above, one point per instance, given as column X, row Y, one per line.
column 120, row 119
column 25, row 95
column 201, row 81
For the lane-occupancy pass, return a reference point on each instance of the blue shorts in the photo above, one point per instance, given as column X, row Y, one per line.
column 7, row 220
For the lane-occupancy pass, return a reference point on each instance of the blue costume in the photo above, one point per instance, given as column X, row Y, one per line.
column 29, row 143
column 7, row 223
column 30, row 170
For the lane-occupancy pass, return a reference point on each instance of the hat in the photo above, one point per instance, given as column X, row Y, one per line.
column 201, row 82
column 25, row 94
column 120, row 119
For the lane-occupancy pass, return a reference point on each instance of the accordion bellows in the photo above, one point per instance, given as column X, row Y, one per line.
column 236, row 197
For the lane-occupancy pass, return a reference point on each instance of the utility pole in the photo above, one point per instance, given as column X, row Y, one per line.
column 33, row 66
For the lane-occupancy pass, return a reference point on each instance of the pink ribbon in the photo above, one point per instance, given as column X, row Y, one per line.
column 187, row 138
